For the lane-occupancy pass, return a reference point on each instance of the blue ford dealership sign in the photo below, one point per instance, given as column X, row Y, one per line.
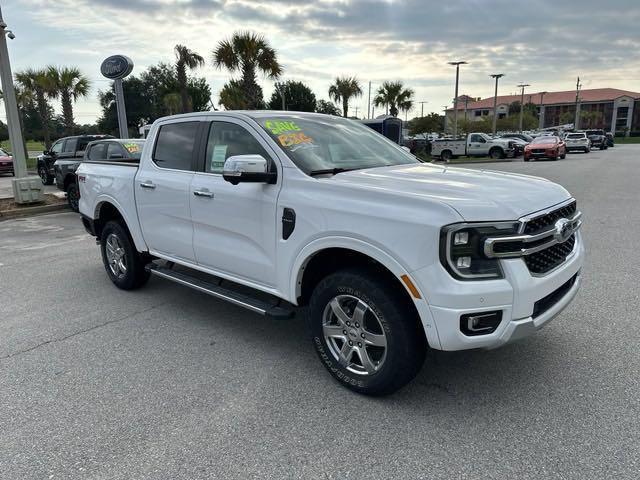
column 116, row 66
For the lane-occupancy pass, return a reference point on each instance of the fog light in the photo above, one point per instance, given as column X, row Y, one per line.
column 480, row 323
column 463, row 262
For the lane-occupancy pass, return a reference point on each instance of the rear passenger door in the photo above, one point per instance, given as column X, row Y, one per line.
column 162, row 189
column 234, row 225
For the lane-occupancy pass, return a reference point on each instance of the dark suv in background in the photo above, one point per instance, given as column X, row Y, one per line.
column 66, row 149
column 106, row 149
column 598, row 139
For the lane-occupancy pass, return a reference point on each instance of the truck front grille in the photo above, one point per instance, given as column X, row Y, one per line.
column 542, row 222
column 546, row 260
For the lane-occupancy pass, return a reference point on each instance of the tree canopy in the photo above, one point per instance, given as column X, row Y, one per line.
column 297, row 97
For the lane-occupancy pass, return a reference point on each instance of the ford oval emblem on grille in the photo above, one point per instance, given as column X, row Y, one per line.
column 563, row 230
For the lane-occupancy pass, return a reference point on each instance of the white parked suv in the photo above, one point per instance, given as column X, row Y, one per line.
column 273, row 211
column 577, row 141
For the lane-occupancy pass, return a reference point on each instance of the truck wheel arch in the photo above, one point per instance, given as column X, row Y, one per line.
column 108, row 209
column 329, row 254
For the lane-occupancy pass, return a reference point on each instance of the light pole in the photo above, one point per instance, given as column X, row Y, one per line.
column 541, row 114
column 11, row 104
column 522, row 85
column 369, row 102
column 422, row 111
column 576, row 123
column 497, row 76
column 455, row 98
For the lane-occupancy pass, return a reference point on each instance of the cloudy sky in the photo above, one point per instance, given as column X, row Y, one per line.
column 545, row 43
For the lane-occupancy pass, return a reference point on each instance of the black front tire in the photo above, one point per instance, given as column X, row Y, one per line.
column 44, row 176
column 406, row 344
column 136, row 275
column 73, row 197
column 496, row 153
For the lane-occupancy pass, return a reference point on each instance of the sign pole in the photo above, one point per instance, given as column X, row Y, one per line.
column 115, row 68
column 122, row 112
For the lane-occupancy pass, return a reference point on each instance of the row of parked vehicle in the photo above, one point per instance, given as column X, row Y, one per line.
column 61, row 161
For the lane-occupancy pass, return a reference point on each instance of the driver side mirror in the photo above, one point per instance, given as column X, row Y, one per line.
column 247, row 168
column 49, row 153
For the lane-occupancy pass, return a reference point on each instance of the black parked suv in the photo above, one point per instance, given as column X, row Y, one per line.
column 64, row 157
column 107, row 149
column 598, row 139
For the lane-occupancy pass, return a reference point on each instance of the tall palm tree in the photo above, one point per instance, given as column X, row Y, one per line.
column 395, row 96
column 70, row 85
column 343, row 89
column 42, row 87
column 185, row 58
column 248, row 52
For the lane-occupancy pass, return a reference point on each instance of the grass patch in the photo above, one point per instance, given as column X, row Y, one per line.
column 32, row 145
column 625, row 140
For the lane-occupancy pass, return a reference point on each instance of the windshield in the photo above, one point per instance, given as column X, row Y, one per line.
column 3, row 153
column 546, row 139
column 316, row 143
column 134, row 147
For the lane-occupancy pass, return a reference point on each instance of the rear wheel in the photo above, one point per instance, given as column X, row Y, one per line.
column 365, row 334
column 446, row 155
column 73, row 197
column 123, row 263
column 587, row 150
column 44, row 176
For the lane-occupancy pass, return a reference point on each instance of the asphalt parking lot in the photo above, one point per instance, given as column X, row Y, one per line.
column 169, row 383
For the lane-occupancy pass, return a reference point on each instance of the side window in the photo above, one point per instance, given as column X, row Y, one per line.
column 70, row 145
column 226, row 140
column 98, row 151
column 175, row 144
column 57, row 147
column 82, row 145
column 115, row 151
column 475, row 138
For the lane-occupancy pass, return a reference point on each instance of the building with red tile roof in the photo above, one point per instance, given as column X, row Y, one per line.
column 618, row 109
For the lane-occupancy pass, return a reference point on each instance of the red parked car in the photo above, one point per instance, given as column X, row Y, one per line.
column 6, row 163
column 548, row 146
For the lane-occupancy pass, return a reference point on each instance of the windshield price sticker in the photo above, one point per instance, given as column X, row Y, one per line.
column 277, row 126
column 132, row 147
column 292, row 139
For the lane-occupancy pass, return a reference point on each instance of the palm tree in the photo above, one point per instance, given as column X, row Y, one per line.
column 42, row 87
column 395, row 96
column 247, row 53
column 343, row 89
column 185, row 58
column 232, row 97
column 70, row 85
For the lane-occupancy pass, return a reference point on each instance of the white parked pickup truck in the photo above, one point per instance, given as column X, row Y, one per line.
column 475, row 145
column 273, row 211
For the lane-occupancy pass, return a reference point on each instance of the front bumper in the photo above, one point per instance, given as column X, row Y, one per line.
column 6, row 168
column 515, row 295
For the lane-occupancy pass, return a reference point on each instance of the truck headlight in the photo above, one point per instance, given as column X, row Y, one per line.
column 462, row 249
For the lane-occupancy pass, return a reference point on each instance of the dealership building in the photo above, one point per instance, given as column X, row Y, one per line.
column 609, row 108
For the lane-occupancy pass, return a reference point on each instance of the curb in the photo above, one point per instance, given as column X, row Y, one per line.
column 39, row 210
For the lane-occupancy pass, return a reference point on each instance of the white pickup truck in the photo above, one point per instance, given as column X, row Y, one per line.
column 475, row 145
column 273, row 211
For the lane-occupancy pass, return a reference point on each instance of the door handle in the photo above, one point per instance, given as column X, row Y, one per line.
column 147, row 185
column 203, row 193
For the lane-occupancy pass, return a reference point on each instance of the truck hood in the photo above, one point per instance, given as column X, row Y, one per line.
column 477, row 195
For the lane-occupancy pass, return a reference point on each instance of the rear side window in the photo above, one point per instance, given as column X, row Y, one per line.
column 115, row 151
column 70, row 145
column 98, row 151
column 82, row 145
column 175, row 145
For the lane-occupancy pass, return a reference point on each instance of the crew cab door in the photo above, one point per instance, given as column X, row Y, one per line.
column 477, row 145
column 234, row 226
column 162, row 189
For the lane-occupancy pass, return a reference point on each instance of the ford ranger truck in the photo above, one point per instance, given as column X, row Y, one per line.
column 273, row 211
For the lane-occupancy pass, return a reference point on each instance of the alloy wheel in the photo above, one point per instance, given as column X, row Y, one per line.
column 115, row 255
column 354, row 335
